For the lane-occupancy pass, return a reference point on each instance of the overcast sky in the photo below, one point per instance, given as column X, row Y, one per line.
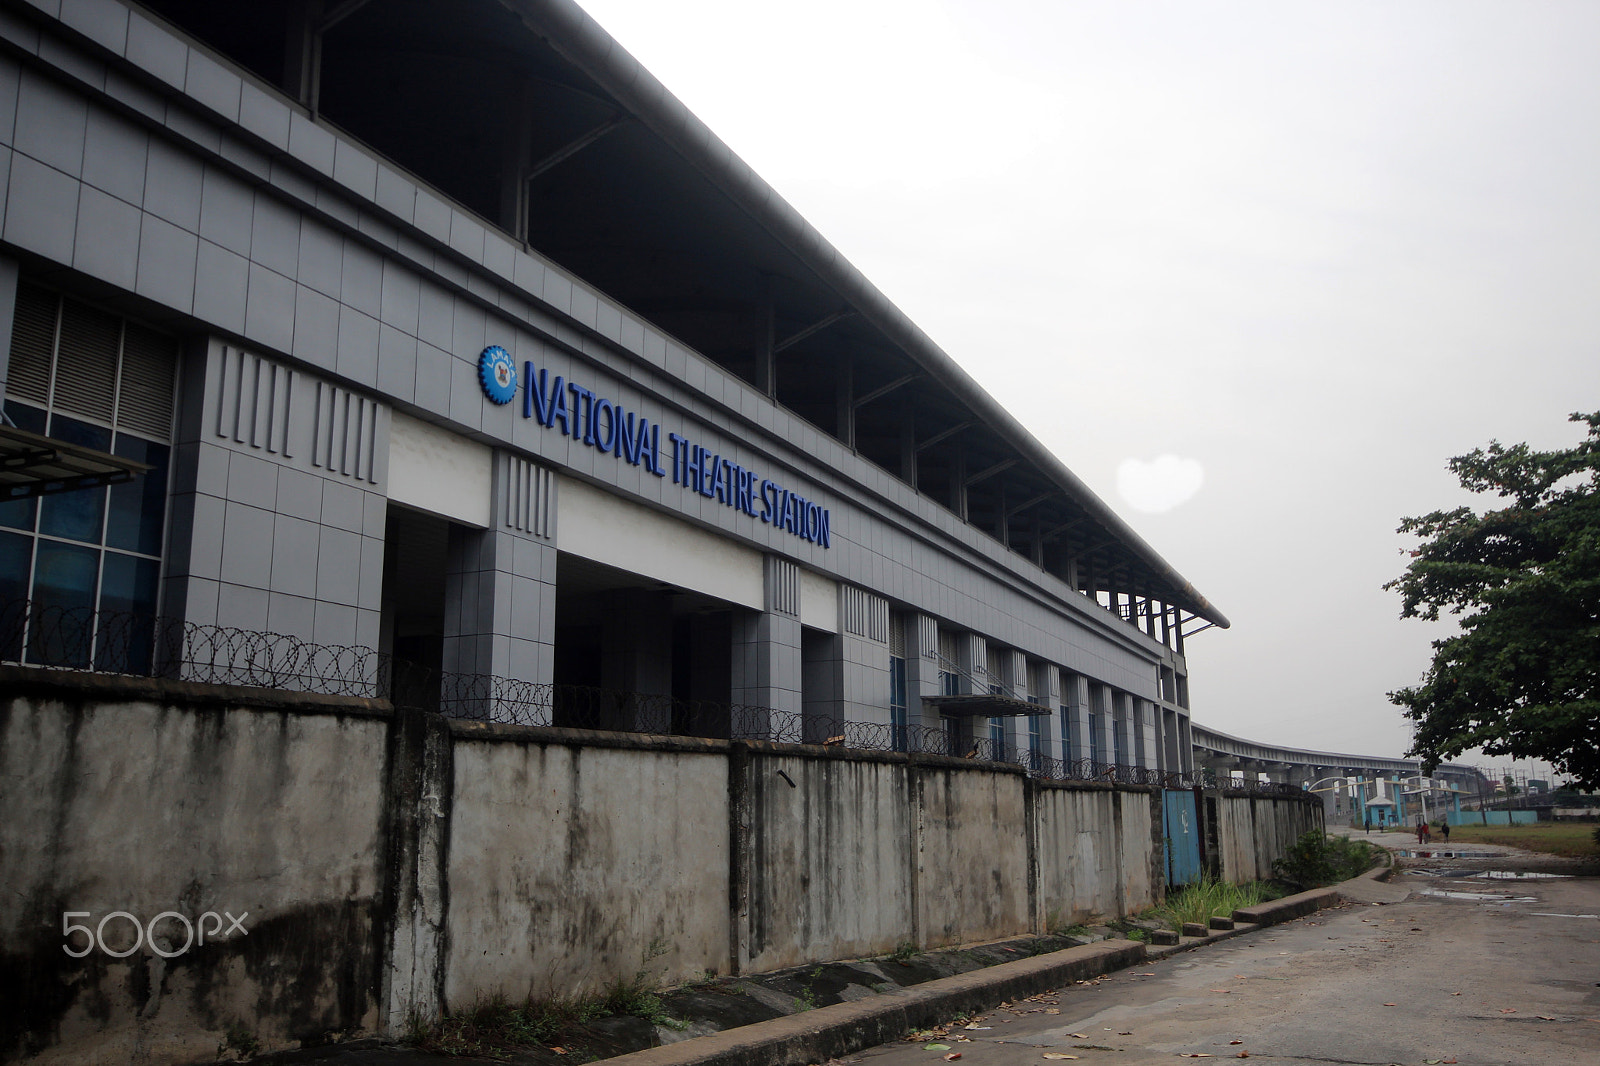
column 1286, row 257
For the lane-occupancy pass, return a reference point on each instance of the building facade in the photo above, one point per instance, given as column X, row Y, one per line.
column 445, row 331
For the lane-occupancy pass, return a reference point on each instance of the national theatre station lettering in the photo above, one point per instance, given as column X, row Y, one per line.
column 600, row 423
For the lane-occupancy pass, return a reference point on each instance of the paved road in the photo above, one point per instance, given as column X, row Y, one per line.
column 1469, row 969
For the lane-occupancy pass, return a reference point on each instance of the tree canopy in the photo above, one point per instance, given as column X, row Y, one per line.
column 1522, row 677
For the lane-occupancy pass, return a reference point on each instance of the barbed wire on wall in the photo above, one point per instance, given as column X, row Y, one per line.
column 119, row 642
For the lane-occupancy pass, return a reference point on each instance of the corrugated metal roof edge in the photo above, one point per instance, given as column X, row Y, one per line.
column 573, row 33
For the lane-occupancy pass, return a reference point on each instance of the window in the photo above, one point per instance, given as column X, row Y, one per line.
column 87, row 377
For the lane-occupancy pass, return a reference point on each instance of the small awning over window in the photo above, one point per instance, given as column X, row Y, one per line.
column 984, row 706
column 32, row 465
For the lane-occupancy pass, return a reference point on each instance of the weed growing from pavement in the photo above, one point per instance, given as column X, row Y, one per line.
column 495, row 1026
column 1209, row 896
column 242, row 1041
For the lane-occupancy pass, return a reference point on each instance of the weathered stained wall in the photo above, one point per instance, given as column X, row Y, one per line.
column 1250, row 831
column 389, row 864
column 1080, row 854
column 1143, row 862
column 573, row 866
column 972, row 854
column 142, row 805
column 829, row 845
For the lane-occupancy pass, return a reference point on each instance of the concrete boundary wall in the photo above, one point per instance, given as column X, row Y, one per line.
column 394, row 866
column 1246, row 832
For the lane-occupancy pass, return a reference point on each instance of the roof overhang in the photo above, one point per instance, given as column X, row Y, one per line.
column 984, row 706
column 35, row 465
column 577, row 37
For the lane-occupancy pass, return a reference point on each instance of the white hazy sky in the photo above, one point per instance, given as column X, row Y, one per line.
column 1307, row 251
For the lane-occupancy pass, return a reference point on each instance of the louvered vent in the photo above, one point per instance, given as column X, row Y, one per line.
column 33, row 341
column 149, row 362
column 86, row 366
column 897, row 636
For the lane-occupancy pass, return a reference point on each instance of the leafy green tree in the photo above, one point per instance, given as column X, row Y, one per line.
column 1522, row 677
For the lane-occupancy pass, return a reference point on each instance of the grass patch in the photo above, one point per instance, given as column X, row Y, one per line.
column 1209, row 896
column 1573, row 840
column 495, row 1027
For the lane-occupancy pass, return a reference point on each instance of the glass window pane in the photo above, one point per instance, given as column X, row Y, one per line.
column 18, row 514
column 15, row 554
column 62, row 626
column 75, row 515
column 127, row 614
column 25, row 416
column 80, row 433
column 138, row 506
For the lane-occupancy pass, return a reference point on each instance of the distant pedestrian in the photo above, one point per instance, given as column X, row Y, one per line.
column 1369, row 823
column 1444, row 831
column 1422, row 831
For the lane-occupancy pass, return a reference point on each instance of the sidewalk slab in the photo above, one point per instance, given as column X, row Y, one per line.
column 1372, row 887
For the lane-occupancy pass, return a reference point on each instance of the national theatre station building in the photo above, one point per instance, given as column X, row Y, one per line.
column 444, row 330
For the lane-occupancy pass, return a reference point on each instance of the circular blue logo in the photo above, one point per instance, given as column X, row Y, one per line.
column 498, row 374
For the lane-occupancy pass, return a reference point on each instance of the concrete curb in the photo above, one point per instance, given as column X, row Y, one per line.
column 840, row 1028
column 1282, row 910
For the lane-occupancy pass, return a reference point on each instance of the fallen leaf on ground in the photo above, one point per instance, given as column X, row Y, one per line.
column 937, row 1047
column 559, row 1050
column 1058, row 1055
column 1227, row 991
column 1391, row 1004
column 1124, row 1034
column 1236, row 1041
column 1199, row 1055
column 1455, row 993
column 1242, row 1055
column 953, row 1056
column 1544, row 1017
column 1077, row 1036
column 1052, row 1010
column 975, row 1025
column 1508, row 1010
column 1142, row 975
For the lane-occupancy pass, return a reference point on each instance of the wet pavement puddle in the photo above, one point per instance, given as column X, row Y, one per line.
column 1435, row 853
column 1483, row 897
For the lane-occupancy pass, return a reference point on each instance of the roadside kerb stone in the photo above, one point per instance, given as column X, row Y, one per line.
column 841, row 1028
column 1281, row 910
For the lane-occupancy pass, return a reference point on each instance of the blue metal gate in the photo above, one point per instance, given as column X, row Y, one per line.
column 1181, row 828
